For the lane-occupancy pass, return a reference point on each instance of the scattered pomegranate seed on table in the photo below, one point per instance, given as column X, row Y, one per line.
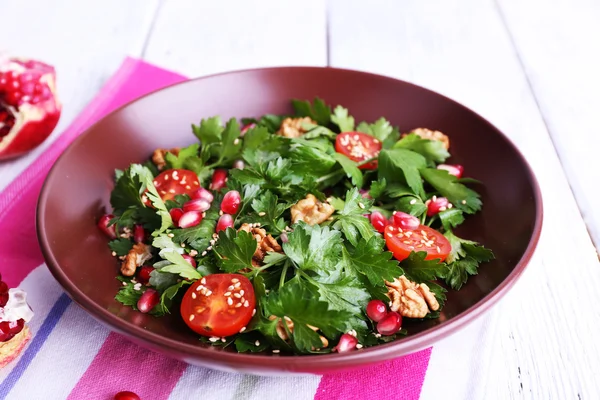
column 231, row 202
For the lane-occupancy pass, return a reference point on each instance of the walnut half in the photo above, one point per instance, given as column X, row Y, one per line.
column 265, row 243
column 158, row 157
column 292, row 127
column 410, row 299
column 311, row 210
column 137, row 256
column 431, row 135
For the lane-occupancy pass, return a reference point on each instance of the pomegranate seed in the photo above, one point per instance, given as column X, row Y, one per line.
column 189, row 259
column 378, row 221
column 189, row 219
column 196, row 205
column 406, row 221
column 203, row 194
column 347, row 342
column 225, row 221
column 456, row 170
column 389, row 324
column 239, row 164
column 376, row 310
column 143, row 275
column 246, row 128
column 126, row 395
column 103, row 225
column 219, row 179
column 139, row 234
column 435, row 205
column 231, row 202
column 176, row 213
column 9, row 329
column 148, row 300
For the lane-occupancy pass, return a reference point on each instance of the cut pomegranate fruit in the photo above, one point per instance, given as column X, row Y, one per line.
column 376, row 310
column 9, row 329
column 139, row 234
column 148, row 300
column 189, row 259
column 378, row 221
column 231, row 202
column 176, row 213
column 190, row 219
column 456, row 170
column 203, row 194
column 219, row 179
column 29, row 107
column 347, row 342
column 225, row 221
column 196, row 205
column 437, row 204
column 103, row 225
column 389, row 324
column 143, row 274
column 126, row 395
column 406, row 221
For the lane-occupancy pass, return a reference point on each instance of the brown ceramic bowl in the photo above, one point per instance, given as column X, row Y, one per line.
column 77, row 191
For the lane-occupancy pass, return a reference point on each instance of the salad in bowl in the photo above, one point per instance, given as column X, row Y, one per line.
column 308, row 233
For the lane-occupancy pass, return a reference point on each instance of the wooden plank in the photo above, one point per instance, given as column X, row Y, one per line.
column 200, row 38
column 557, row 43
column 85, row 41
column 539, row 342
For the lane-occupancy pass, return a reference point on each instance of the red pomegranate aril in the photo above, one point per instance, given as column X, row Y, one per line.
column 143, row 274
column 376, row 310
column 3, row 299
column 196, row 205
column 126, row 395
column 456, row 170
column 189, row 259
column 347, row 342
column 103, row 225
column 406, row 221
column 436, row 204
column 389, row 324
column 148, row 300
column 231, row 202
column 219, row 179
column 203, row 194
column 190, row 219
column 176, row 214
column 225, row 221
column 378, row 221
column 139, row 234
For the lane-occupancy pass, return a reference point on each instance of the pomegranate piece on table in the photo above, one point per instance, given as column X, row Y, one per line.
column 29, row 106
column 14, row 314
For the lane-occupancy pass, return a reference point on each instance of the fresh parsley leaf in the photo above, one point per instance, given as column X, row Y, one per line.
column 451, row 218
column 378, row 188
column 412, row 205
column 234, row 250
column 350, row 168
column 127, row 295
column 197, row 237
column 256, row 137
column 318, row 110
column 162, row 280
column 341, row 118
column 128, row 189
column 464, row 259
column 370, row 259
column 419, row 270
column 184, row 156
column 317, row 131
column 121, row 246
column 209, row 130
column 167, row 297
column 458, row 194
column 351, row 220
column 312, row 157
column 433, row 150
column 382, row 130
column 401, row 165
column 179, row 265
column 247, row 343
column 270, row 211
column 159, row 205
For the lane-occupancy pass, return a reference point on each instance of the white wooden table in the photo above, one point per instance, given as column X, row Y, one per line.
column 531, row 67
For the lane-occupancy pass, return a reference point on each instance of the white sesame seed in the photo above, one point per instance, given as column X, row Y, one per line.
column 204, row 214
column 203, row 253
column 188, row 187
column 424, row 233
column 235, row 280
column 221, row 212
column 438, row 249
column 242, row 292
column 361, row 205
column 155, row 183
column 242, row 300
column 390, row 304
column 238, row 305
column 237, row 285
column 114, row 253
column 124, row 283
column 230, row 288
column 229, row 301
column 237, row 295
column 355, row 137
column 257, row 343
column 389, row 234
column 227, row 294
column 170, row 235
column 236, row 142
column 377, row 335
column 194, row 295
column 192, row 317
column 203, row 281
column 223, row 340
column 193, row 253
column 262, row 214
column 359, row 346
column 391, row 229
column 243, row 329
column 209, row 248
column 213, row 339
column 464, row 202
column 171, row 191
column 199, row 288
column 253, row 312
column 408, row 233
column 434, row 198
column 196, row 183
column 413, row 201
column 182, row 244
column 275, row 351
column 443, row 208
column 208, row 293
column 450, row 206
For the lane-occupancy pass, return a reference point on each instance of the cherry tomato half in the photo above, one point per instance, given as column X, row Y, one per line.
column 358, row 147
column 176, row 181
column 402, row 242
column 218, row 304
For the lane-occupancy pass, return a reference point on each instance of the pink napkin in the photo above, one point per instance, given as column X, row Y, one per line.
column 100, row 363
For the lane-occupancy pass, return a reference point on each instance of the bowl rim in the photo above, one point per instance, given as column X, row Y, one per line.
column 379, row 353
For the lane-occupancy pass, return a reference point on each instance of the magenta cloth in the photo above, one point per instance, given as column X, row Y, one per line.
column 111, row 368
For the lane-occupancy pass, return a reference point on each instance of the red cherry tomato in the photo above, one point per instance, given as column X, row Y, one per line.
column 358, row 147
column 176, row 181
column 402, row 242
column 211, row 307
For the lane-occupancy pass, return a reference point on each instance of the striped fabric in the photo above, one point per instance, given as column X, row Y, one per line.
column 71, row 356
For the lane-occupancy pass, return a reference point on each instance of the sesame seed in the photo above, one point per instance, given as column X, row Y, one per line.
column 188, row 187
column 155, row 183
column 399, row 235
column 391, row 229
column 237, row 285
column 182, row 181
column 356, row 137
column 438, row 249
column 443, row 208
column 235, row 280
column 408, row 233
column 199, row 288
column 238, row 305
column 237, row 295
column 170, row 235
column 213, row 339
column 191, row 317
column 194, row 295
column 209, row 248
column 203, row 253
column 227, row 294
column 424, row 233
column 204, row 214
column 230, row 288
column 450, row 206
column 243, row 329
column 236, row 142
column 203, row 281
column 223, row 340
column 413, row 201
column 464, row 202
column 242, row 292
column 390, row 304
column 389, row 234
column 406, row 241
column 221, row 212
column 253, row 312
column 359, row 346
column 124, row 283
column 208, row 293
column 229, row 301
column 114, row 253
column 182, row 244
column 257, row 343
column 377, row 335
column 411, row 247
column 361, row 205
column 162, row 192
column 193, row 253
column 175, row 178
column 262, row 214
column 196, row 183
column 243, row 300
column 212, row 242
column 434, row 198
column 166, row 177
column 171, row 191
column 275, row 351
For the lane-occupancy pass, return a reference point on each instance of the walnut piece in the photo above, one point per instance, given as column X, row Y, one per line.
column 158, row 157
column 311, row 210
column 137, row 256
column 410, row 299
column 282, row 332
column 265, row 243
column 432, row 135
column 292, row 127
